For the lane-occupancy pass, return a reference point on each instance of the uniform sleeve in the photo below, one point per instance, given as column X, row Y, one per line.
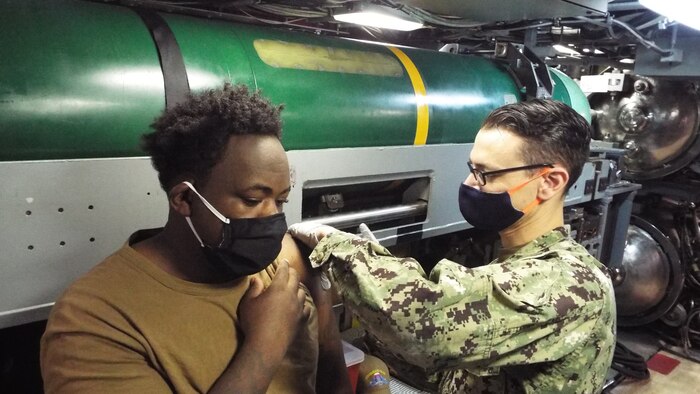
column 478, row 319
column 81, row 353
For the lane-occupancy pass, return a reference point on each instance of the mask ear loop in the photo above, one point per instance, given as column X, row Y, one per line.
column 189, row 221
column 206, row 203
column 531, row 205
column 537, row 201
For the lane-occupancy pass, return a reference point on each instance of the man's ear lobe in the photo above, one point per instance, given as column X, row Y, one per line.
column 553, row 183
column 179, row 199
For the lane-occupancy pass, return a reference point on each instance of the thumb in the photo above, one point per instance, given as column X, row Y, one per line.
column 366, row 233
column 255, row 289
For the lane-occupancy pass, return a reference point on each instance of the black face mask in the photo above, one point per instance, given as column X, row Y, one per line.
column 247, row 246
column 487, row 211
column 493, row 211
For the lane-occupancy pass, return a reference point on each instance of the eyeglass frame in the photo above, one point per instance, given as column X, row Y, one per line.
column 480, row 176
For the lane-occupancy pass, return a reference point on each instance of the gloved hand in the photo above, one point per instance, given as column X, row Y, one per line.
column 310, row 233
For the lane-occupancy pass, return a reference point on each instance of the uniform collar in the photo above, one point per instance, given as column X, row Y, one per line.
column 535, row 246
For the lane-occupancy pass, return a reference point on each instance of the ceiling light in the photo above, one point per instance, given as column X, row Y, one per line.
column 586, row 50
column 565, row 50
column 683, row 11
column 627, row 60
column 597, row 52
column 378, row 16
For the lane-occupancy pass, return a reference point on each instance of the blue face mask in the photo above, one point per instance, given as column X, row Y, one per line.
column 492, row 211
column 246, row 246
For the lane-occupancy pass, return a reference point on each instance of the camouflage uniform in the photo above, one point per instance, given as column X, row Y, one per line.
column 541, row 320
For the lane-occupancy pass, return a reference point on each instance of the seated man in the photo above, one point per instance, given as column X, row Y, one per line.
column 209, row 303
column 539, row 319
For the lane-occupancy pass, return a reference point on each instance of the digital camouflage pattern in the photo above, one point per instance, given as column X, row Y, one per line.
column 541, row 320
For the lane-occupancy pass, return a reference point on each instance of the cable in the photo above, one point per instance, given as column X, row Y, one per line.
column 609, row 22
column 431, row 18
column 628, row 364
column 290, row 11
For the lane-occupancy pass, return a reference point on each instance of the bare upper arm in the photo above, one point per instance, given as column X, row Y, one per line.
column 297, row 259
column 332, row 375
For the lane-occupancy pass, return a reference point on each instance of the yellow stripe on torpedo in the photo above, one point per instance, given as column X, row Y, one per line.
column 423, row 116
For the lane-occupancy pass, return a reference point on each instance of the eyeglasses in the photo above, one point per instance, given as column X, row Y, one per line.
column 480, row 176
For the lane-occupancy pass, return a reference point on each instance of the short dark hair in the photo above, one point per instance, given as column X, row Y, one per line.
column 190, row 138
column 553, row 131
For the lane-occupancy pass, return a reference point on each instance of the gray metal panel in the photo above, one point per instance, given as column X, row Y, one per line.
column 577, row 193
column 444, row 164
column 602, row 177
column 512, row 10
column 60, row 218
column 617, row 222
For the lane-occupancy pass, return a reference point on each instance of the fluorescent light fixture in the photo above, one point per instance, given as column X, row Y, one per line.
column 565, row 50
column 378, row 16
column 684, row 11
column 627, row 60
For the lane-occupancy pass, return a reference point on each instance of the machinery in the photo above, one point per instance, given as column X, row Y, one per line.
column 656, row 120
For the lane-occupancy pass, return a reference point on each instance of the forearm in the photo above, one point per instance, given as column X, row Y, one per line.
column 251, row 371
column 332, row 375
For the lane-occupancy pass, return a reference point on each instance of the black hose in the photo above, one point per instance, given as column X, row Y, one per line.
column 628, row 364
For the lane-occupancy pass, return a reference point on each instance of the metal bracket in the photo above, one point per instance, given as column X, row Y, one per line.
column 450, row 48
column 675, row 57
column 530, row 72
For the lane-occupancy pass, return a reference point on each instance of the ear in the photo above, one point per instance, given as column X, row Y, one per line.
column 180, row 200
column 553, row 183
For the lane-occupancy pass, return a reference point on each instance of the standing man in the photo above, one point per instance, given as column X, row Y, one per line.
column 208, row 303
column 539, row 319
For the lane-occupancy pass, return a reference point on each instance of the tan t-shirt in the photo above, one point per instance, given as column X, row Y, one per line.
column 128, row 326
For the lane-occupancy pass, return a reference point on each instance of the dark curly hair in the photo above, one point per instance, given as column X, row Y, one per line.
column 190, row 138
column 553, row 131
